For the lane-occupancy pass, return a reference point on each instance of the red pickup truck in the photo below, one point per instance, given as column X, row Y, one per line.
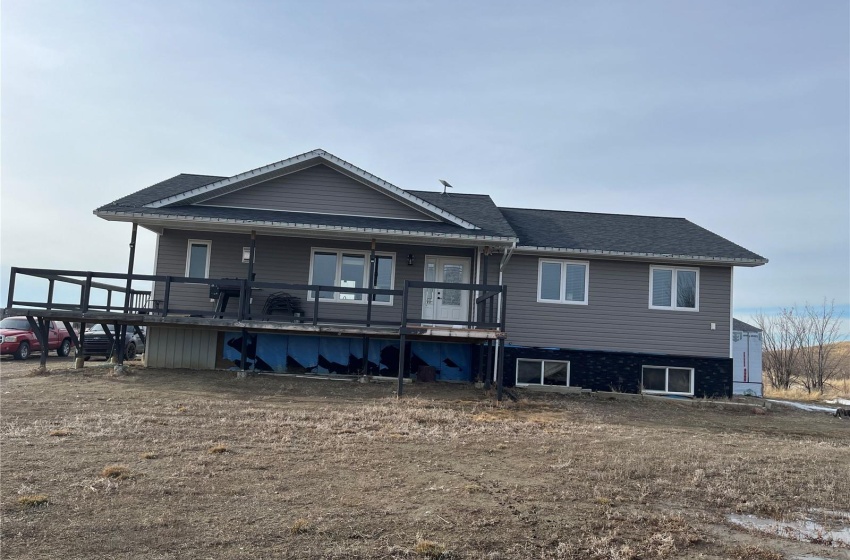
column 18, row 339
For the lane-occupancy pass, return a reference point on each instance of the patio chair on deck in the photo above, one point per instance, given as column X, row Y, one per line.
column 284, row 304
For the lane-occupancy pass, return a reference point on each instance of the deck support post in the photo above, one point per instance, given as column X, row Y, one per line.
column 120, row 332
column 243, row 359
column 122, row 348
column 401, row 342
column 401, row 349
column 116, row 341
column 365, row 370
column 80, row 356
column 39, row 329
column 488, row 377
column 45, row 341
column 130, row 263
column 500, row 372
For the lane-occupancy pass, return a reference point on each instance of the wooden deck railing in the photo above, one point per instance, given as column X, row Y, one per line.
column 489, row 301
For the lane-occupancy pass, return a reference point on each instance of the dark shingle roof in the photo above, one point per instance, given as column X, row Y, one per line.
column 742, row 326
column 582, row 231
column 620, row 233
column 176, row 185
column 478, row 209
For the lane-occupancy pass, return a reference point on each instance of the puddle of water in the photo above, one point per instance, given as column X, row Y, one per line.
column 804, row 530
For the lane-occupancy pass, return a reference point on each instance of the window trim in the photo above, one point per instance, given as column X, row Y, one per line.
column 338, row 272
column 563, row 286
column 542, row 370
column 674, row 288
column 189, row 244
column 666, row 381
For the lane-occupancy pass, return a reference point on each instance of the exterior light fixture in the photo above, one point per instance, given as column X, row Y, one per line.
column 410, row 259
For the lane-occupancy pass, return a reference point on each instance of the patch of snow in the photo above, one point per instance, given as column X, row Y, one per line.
column 806, row 407
column 842, row 402
column 804, row 530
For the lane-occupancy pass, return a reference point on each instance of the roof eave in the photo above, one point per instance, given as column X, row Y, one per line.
column 144, row 217
column 655, row 257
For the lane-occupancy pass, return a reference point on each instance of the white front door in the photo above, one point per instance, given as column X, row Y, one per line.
column 446, row 305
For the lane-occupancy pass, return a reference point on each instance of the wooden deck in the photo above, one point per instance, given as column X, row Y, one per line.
column 283, row 327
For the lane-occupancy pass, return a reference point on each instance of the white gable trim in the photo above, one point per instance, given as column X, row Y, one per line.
column 370, row 179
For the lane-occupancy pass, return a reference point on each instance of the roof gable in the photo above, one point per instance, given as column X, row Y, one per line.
column 227, row 185
column 322, row 190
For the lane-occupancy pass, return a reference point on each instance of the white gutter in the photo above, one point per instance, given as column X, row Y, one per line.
column 644, row 256
column 321, row 155
column 168, row 220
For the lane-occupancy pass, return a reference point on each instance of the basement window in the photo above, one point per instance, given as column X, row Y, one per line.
column 198, row 258
column 542, row 372
column 350, row 269
column 668, row 380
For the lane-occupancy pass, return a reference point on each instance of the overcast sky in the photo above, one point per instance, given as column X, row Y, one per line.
column 735, row 115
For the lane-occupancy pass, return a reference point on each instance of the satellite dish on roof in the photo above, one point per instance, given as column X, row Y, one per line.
column 446, row 185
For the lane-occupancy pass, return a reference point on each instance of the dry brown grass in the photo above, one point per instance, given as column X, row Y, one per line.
column 840, row 390
column 148, row 455
column 116, row 472
column 60, row 433
column 33, row 500
column 753, row 552
column 218, row 448
column 550, row 477
column 299, row 526
column 429, row 549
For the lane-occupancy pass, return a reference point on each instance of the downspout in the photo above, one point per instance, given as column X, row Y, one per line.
column 500, row 347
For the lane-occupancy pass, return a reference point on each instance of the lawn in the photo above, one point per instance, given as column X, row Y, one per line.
column 184, row 464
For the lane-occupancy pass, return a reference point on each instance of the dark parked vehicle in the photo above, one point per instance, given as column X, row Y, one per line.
column 99, row 343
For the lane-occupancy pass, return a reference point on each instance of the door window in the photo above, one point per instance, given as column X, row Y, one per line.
column 452, row 273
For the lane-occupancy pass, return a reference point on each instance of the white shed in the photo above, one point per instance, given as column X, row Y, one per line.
column 746, row 359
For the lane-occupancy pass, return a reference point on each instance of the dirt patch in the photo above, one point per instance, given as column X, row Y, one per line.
column 332, row 469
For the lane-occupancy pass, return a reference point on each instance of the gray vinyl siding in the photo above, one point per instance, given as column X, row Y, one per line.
column 318, row 189
column 287, row 260
column 617, row 317
column 180, row 348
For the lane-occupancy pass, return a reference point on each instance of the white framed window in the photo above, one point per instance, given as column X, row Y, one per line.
column 350, row 269
column 198, row 258
column 560, row 281
column 667, row 380
column 673, row 287
column 542, row 372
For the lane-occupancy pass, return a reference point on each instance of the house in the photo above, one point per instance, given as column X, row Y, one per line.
column 314, row 265
column 746, row 359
